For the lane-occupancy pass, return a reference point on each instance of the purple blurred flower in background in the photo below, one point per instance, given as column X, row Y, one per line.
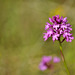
column 46, row 62
column 60, row 27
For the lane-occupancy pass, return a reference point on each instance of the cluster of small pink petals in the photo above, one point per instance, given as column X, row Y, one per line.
column 59, row 27
column 46, row 62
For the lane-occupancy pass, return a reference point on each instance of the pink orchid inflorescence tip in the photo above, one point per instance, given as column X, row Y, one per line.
column 59, row 27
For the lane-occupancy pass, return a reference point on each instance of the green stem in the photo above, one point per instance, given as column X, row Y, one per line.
column 63, row 59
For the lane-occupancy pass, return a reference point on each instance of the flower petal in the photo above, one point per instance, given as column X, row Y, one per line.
column 42, row 66
column 46, row 59
column 56, row 59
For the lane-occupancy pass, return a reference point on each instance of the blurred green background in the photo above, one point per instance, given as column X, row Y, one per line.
column 22, row 45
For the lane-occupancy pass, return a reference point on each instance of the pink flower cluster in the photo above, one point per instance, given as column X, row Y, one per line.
column 59, row 27
column 46, row 62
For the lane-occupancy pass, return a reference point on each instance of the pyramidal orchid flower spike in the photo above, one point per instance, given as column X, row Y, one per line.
column 58, row 28
column 46, row 62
